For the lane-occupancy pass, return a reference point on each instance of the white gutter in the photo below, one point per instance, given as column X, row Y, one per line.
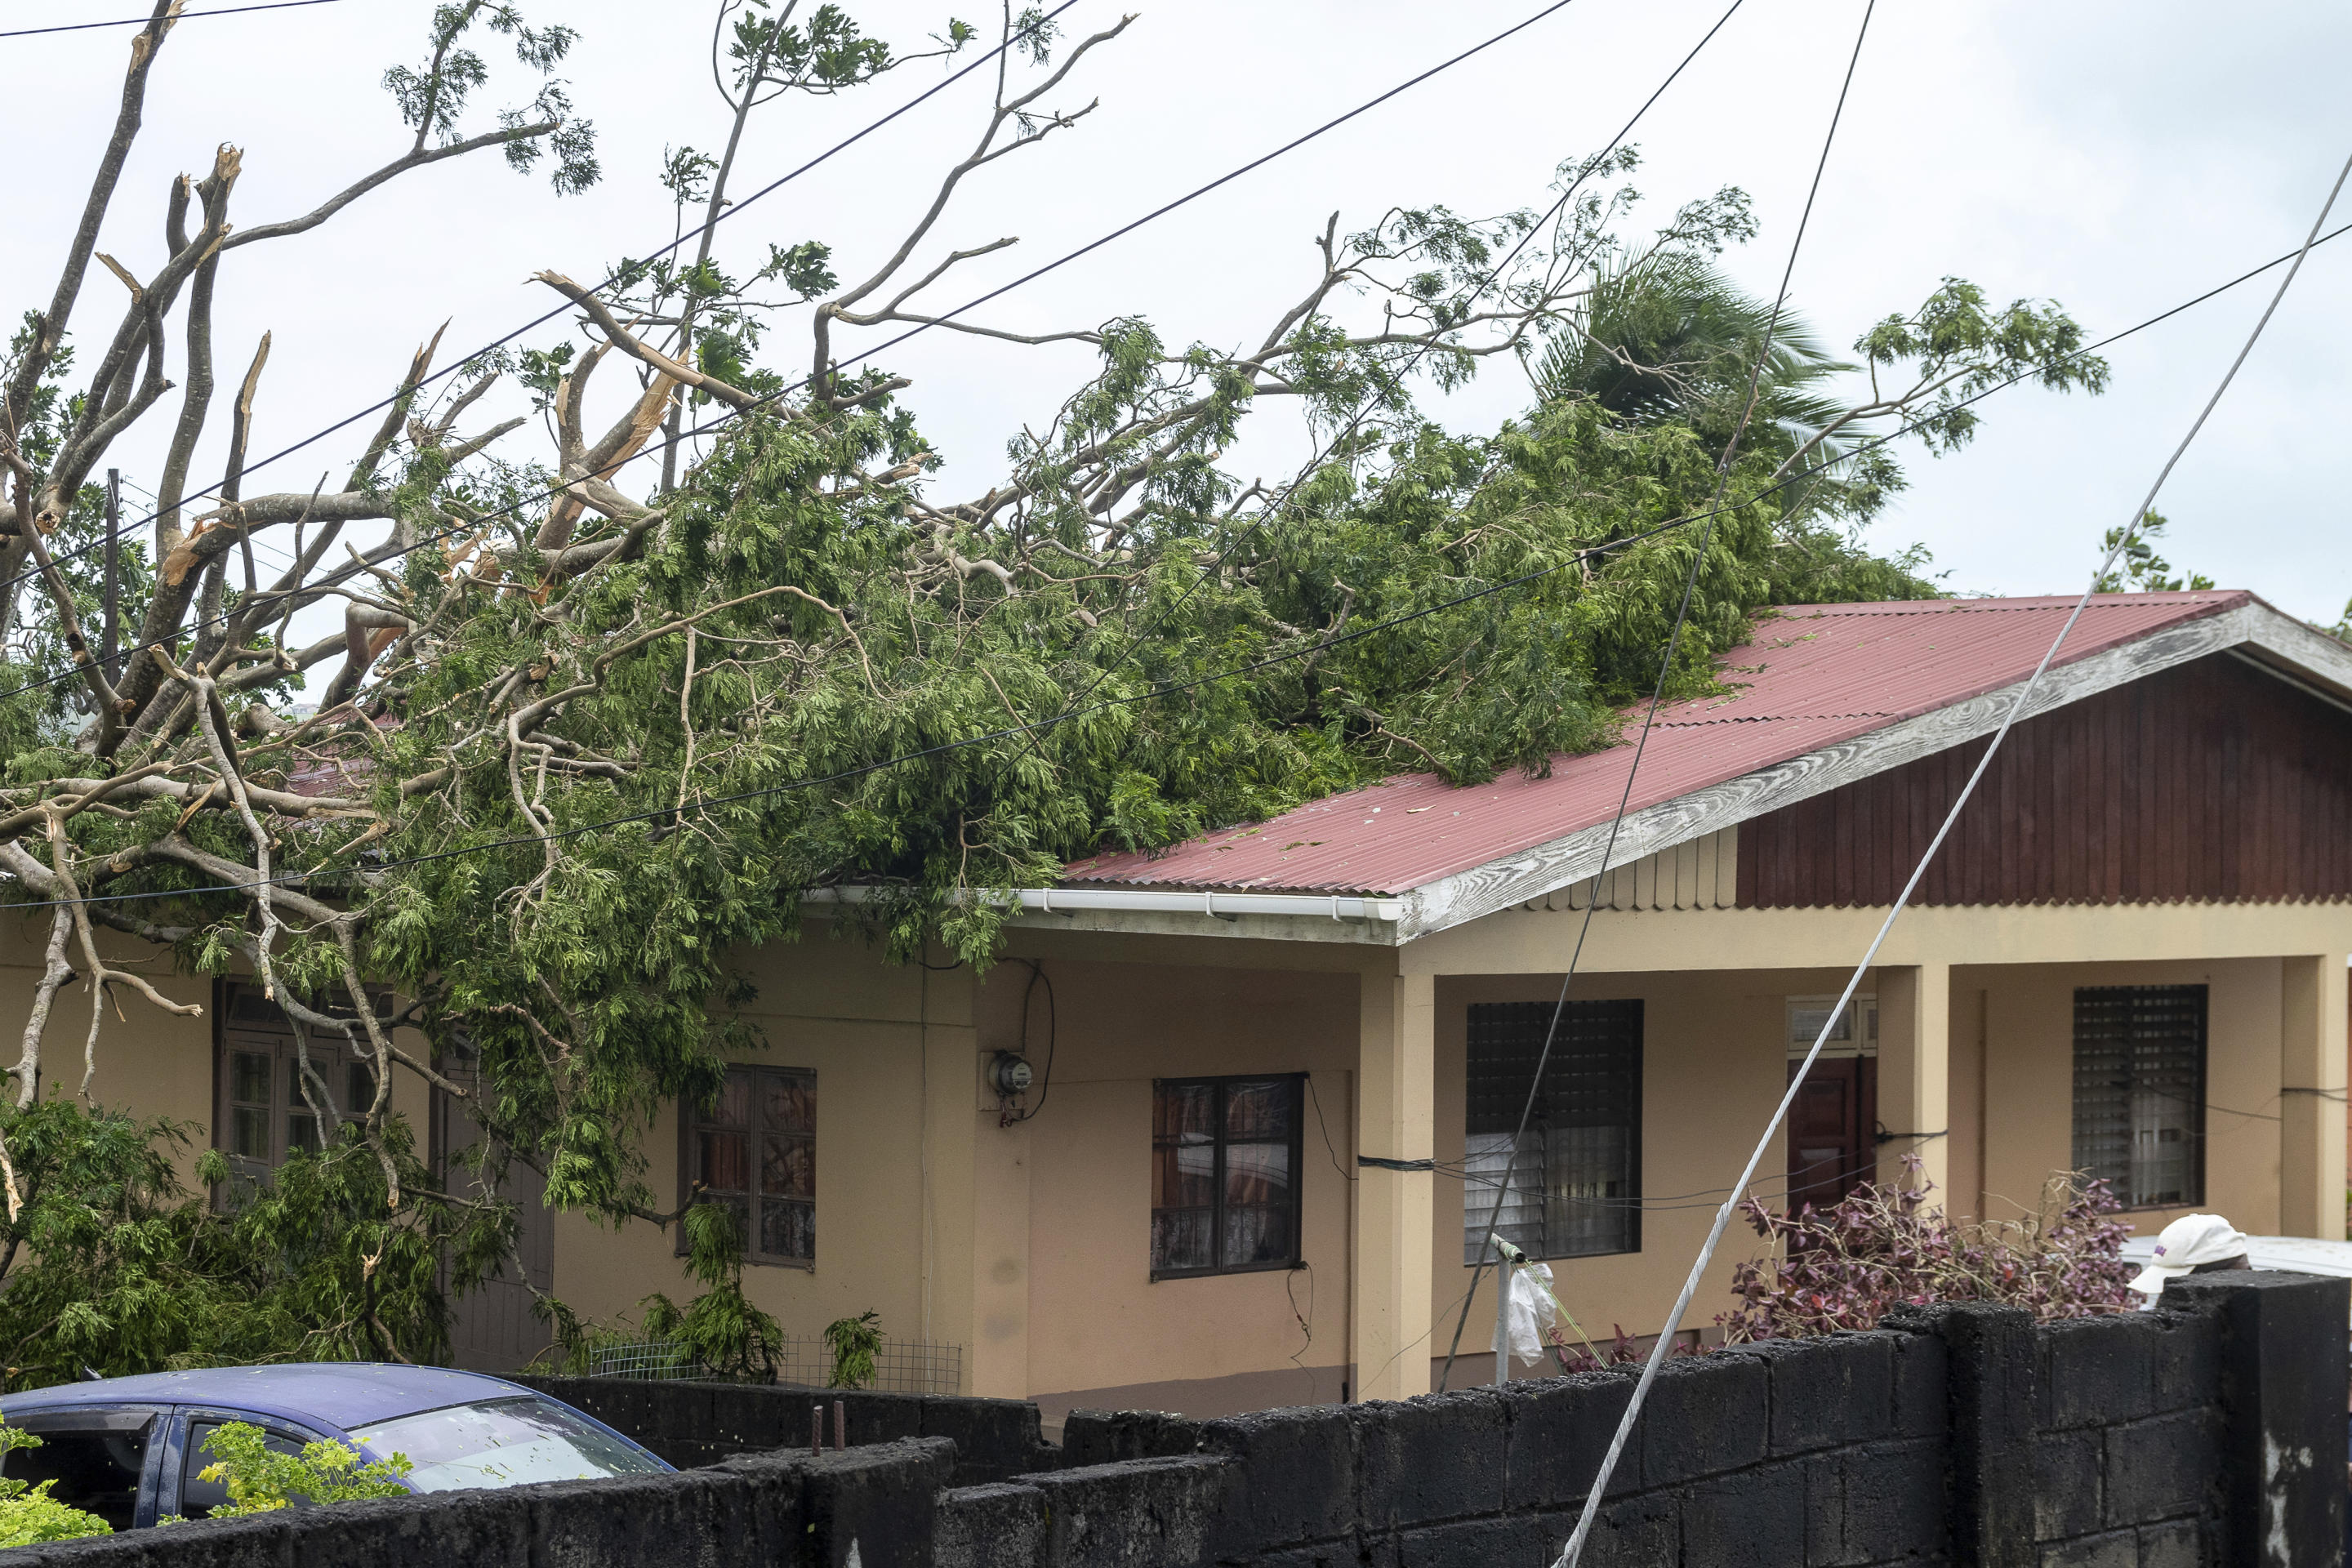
column 1208, row 901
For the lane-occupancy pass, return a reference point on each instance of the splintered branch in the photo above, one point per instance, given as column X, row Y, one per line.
column 55, row 972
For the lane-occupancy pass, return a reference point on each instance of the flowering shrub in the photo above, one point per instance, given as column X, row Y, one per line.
column 1885, row 1247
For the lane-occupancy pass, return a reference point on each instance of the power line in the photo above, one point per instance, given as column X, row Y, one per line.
column 1666, row 673
column 143, row 21
column 2124, row 537
column 770, row 399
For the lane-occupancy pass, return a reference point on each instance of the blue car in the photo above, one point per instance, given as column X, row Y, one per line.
column 130, row 1449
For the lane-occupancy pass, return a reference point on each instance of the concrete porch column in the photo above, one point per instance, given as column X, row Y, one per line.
column 2311, row 1098
column 1395, row 1119
column 1915, row 1073
column 948, row 1168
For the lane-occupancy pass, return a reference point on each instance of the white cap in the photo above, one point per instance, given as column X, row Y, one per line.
column 2184, row 1243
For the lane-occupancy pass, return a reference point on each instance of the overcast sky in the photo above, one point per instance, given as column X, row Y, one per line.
column 2115, row 158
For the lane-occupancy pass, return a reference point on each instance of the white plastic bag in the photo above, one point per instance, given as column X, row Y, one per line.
column 1532, row 1313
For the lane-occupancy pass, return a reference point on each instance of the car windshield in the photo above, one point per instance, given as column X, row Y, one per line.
column 502, row 1442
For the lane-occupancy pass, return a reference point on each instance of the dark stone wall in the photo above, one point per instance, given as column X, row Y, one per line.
column 2208, row 1435
column 700, row 1423
column 788, row 1512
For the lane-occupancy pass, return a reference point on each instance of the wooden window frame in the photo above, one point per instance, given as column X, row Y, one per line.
column 694, row 1119
column 330, row 1056
column 1297, row 1085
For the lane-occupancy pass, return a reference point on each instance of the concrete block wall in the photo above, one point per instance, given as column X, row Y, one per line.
column 868, row 1506
column 701, row 1422
column 2210, row 1434
column 1816, row 1454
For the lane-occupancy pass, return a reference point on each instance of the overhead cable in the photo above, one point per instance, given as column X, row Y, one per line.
column 143, row 21
column 2124, row 537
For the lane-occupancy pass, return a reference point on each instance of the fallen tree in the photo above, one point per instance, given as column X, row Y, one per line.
column 584, row 733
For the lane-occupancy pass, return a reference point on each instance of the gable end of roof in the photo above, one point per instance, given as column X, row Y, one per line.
column 2278, row 642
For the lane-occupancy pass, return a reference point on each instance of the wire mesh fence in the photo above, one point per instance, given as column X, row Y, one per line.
column 900, row 1366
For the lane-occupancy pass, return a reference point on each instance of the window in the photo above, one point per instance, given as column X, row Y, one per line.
column 753, row 1150
column 199, row 1497
column 1224, row 1184
column 263, row 1115
column 1833, row 1122
column 2139, row 1091
column 1575, row 1186
column 95, row 1457
column 503, row 1443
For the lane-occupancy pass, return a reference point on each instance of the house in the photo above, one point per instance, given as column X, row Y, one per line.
column 1224, row 1128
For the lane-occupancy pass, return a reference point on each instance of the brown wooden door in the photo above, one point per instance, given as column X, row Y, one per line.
column 491, row 1327
column 1832, row 1125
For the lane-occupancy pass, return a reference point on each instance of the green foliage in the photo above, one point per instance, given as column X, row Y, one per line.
column 2141, row 570
column 28, row 1515
column 262, row 1480
column 719, row 1330
column 1955, row 345
column 112, row 1263
column 434, row 98
column 853, row 1342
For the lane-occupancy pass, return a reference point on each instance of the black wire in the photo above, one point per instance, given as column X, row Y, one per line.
column 143, row 21
column 1317, row 1100
column 1053, row 1033
column 1306, row 1319
column 730, row 210
column 769, row 399
column 1665, row 666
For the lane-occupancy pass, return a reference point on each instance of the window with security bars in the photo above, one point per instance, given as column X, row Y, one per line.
column 1225, row 1175
column 1575, row 1183
column 752, row 1151
column 2139, row 1091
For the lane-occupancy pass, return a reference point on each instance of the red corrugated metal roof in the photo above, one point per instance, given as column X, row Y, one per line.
column 1815, row 674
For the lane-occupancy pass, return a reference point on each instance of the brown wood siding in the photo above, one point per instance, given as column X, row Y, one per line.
column 2212, row 781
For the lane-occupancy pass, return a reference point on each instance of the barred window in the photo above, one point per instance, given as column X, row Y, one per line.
column 1575, row 1186
column 1224, row 1182
column 2139, row 1091
column 753, row 1151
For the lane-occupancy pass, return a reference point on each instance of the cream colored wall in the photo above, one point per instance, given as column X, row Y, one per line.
column 1713, row 1066
column 1537, row 941
column 150, row 1062
column 2029, row 1076
column 1097, row 1319
column 1714, row 1063
column 860, row 1025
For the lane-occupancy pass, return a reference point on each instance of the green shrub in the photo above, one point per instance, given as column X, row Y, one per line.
column 260, row 1479
column 28, row 1514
